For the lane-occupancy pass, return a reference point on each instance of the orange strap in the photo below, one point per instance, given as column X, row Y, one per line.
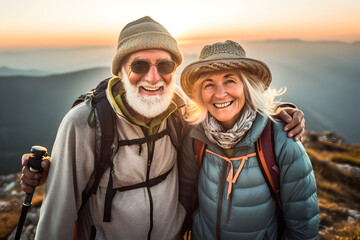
column 231, row 178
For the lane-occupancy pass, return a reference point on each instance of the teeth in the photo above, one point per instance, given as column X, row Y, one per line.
column 222, row 105
column 153, row 89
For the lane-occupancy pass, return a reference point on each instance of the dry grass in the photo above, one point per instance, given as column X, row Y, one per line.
column 338, row 195
column 342, row 230
column 345, row 154
column 345, row 159
column 9, row 216
column 8, row 221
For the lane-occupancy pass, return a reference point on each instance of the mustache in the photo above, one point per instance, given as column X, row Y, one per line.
column 147, row 84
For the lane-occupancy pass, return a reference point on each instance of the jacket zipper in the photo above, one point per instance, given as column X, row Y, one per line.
column 229, row 202
column 220, row 198
column 150, row 156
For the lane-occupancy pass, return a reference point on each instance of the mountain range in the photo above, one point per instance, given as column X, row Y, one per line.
column 7, row 71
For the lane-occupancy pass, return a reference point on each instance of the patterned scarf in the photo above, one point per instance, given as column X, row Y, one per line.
column 228, row 139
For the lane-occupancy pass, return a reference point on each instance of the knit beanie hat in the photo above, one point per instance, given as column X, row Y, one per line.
column 142, row 34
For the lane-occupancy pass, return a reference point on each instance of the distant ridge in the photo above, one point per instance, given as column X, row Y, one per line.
column 296, row 40
column 81, row 72
column 278, row 40
column 7, row 71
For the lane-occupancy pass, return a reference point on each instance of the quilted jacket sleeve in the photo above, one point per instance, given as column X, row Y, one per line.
column 297, row 188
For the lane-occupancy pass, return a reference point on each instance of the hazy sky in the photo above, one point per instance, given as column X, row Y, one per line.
column 48, row 23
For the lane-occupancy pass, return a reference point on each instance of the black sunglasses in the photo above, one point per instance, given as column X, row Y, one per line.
column 162, row 66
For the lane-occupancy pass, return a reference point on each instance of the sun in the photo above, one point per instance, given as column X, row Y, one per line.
column 176, row 27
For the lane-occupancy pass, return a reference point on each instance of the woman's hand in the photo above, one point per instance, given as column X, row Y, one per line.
column 29, row 179
column 295, row 121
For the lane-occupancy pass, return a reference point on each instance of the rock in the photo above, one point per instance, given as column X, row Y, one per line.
column 332, row 137
column 29, row 228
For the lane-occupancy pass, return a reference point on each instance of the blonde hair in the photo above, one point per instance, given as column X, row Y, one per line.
column 256, row 98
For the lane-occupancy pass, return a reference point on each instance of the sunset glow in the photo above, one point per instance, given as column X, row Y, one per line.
column 34, row 24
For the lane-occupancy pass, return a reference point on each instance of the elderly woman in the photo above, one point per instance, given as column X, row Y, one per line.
column 233, row 104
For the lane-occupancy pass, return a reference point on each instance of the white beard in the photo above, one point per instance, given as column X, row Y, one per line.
column 147, row 106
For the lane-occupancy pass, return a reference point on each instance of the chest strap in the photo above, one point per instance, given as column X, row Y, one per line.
column 231, row 178
column 145, row 139
column 110, row 192
column 140, row 141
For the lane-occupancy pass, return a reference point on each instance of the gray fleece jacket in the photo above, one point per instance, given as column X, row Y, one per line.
column 72, row 164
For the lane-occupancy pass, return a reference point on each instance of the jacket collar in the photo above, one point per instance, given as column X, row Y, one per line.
column 115, row 87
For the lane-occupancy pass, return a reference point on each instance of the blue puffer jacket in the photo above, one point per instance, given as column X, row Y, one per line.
column 250, row 211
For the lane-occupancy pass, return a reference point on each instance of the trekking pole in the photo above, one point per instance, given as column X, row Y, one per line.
column 34, row 165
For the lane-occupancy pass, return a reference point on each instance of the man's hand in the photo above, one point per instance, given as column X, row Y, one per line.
column 295, row 121
column 29, row 179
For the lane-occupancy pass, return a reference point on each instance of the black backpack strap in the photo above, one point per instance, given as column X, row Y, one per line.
column 109, row 195
column 106, row 118
column 100, row 91
column 80, row 99
column 152, row 182
column 110, row 192
column 145, row 139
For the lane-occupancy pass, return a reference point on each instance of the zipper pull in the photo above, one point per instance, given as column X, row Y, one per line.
column 140, row 149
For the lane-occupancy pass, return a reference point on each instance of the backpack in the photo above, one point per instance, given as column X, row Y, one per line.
column 106, row 117
column 268, row 166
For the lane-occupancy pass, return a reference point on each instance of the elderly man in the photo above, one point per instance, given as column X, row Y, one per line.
column 142, row 181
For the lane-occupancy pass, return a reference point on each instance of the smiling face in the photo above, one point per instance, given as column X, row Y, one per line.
column 149, row 94
column 151, row 83
column 223, row 96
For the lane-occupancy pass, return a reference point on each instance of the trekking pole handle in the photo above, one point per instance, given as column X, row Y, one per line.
column 34, row 164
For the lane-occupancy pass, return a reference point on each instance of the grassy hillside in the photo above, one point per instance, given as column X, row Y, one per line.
column 337, row 171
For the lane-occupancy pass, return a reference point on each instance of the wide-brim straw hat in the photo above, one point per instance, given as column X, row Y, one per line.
column 223, row 56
